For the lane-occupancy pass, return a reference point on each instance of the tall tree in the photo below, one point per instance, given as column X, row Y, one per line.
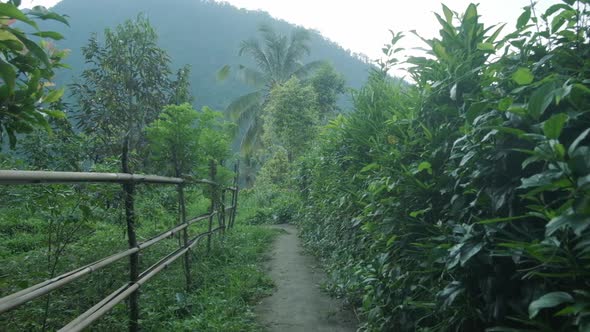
column 124, row 89
column 290, row 117
column 181, row 139
column 328, row 85
column 181, row 87
column 173, row 140
column 278, row 58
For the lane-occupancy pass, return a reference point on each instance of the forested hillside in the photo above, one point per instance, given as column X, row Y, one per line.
column 203, row 34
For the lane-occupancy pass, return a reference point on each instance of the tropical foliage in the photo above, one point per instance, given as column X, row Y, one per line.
column 462, row 203
column 125, row 88
column 291, row 117
column 278, row 59
column 122, row 107
column 27, row 69
column 183, row 138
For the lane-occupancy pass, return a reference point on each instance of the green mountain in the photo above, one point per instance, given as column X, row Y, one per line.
column 203, row 34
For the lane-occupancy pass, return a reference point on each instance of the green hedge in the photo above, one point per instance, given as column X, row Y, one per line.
column 462, row 202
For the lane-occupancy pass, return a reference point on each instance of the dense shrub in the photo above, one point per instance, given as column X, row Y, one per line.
column 462, row 202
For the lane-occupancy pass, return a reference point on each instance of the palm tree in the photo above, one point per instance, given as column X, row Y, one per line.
column 278, row 58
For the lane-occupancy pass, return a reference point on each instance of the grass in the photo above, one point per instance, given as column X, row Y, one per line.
column 227, row 282
column 230, row 282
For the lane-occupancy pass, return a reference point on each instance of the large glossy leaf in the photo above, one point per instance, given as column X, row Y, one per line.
column 49, row 34
column 524, row 18
column 8, row 74
column 523, row 76
column 54, row 95
column 553, row 127
column 549, row 300
column 540, row 100
column 577, row 223
column 12, row 11
column 580, row 138
column 44, row 14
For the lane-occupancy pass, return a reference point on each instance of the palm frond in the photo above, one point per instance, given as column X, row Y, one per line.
column 251, row 141
column 251, row 76
column 240, row 107
column 253, row 48
column 223, row 73
column 297, row 49
column 308, row 68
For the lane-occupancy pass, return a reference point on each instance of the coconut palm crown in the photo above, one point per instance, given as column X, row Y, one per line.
column 278, row 58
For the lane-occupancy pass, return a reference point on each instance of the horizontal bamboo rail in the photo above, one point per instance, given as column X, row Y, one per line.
column 11, row 177
column 34, row 177
column 92, row 314
column 16, row 299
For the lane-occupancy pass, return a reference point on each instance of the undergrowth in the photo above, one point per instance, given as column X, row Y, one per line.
column 462, row 202
column 59, row 228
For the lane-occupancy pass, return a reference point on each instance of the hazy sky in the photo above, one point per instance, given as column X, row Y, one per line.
column 363, row 25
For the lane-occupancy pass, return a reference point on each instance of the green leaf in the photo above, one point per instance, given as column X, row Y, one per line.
column 468, row 251
column 551, row 10
column 524, row 18
column 505, row 103
column 448, row 14
column 517, row 109
column 369, row 167
column 55, row 114
column 36, row 50
column 49, row 34
column 495, row 35
column 425, row 166
column 54, row 96
column 583, row 181
column 11, row 11
column 541, row 179
column 576, row 222
column 470, row 13
column 223, row 73
column 441, row 52
column 486, row 47
column 44, row 14
column 580, row 138
column 540, row 100
column 561, row 18
column 8, row 74
column 417, row 213
column 553, row 127
column 523, row 76
column 549, row 300
column 7, row 35
column 496, row 220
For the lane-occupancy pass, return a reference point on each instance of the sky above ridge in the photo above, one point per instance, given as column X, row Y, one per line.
column 362, row 26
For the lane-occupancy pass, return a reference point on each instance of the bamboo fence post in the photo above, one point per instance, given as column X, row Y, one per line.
column 128, row 190
column 235, row 194
column 212, row 173
column 187, row 271
column 222, row 211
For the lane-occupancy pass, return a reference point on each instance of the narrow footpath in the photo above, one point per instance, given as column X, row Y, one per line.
column 298, row 304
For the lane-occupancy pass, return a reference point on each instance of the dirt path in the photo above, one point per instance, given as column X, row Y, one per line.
column 298, row 304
